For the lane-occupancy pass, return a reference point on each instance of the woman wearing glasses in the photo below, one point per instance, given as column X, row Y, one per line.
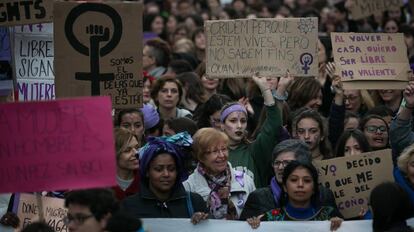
column 224, row 189
column 375, row 129
column 267, row 198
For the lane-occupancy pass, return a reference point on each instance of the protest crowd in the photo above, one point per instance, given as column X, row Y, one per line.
column 253, row 148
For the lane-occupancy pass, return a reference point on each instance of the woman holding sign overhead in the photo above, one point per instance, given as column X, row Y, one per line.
column 254, row 158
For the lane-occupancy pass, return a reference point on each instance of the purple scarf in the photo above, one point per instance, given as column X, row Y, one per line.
column 276, row 190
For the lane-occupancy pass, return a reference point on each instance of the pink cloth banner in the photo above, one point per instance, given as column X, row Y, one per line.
column 56, row 145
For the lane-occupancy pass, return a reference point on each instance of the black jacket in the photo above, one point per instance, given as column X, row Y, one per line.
column 144, row 204
column 261, row 201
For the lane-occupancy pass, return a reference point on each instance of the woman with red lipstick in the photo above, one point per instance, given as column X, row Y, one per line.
column 301, row 202
column 127, row 145
column 224, row 189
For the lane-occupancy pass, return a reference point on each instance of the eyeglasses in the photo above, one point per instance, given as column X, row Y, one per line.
column 284, row 163
column 77, row 219
column 222, row 150
column 373, row 129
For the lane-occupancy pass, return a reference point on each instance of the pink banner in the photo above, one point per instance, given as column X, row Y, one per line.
column 56, row 145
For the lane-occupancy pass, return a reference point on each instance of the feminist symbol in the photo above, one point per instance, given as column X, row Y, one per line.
column 97, row 34
column 306, row 59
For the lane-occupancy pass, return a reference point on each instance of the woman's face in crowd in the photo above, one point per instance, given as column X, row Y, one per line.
column 200, row 41
column 234, row 126
column 389, row 95
column 128, row 159
column 308, row 131
column 209, row 84
column 410, row 169
column 215, row 158
column 299, row 186
column 352, row 100
column 375, row 131
column 281, row 161
column 162, row 173
column 167, row 130
column 157, row 26
column 77, row 211
column 351, row 123
column 391, row 27
column 215, row 120
column 352, row 147
column 171, row 24
column 168, row 96
column 146, row 91
column 133, row 122
column 316, row 102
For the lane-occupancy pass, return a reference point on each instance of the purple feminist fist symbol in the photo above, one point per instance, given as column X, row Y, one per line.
column 306, row 59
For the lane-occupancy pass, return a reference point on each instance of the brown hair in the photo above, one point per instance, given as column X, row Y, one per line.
column 205, row 138
column 302, row 90
column 122, row 138
column 159, row 84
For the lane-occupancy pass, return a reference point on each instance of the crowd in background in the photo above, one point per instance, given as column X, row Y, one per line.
column 242, row 148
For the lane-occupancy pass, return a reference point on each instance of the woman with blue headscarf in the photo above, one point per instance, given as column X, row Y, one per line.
column 162, row 194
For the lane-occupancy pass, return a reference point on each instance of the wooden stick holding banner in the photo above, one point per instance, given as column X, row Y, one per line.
column 371, row 60
column 243, row 47
column 352, row 178
column 20, row 12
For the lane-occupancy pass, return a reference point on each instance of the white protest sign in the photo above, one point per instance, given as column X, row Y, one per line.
column 33, row 56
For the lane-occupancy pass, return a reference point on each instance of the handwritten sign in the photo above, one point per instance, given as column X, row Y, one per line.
column 29, row 207
column 352, row 178
column 364, row 8
column 371, row 60
column 98, row 51
column 55, row 145
column 33, row 56
column 19, row 12
column 240, row 48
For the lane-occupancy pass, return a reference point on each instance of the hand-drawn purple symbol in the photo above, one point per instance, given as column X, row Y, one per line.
column 332, row 168
column 306, row 25
column 306, row 59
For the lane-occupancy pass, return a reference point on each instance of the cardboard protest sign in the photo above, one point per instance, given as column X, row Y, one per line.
column 19, row 12
column 55, row 145
column 33, row 58
column 371, row 60
column 242, row 47
column 364, row 8
column 98, row 51
column 352, row 178
column 31, row 208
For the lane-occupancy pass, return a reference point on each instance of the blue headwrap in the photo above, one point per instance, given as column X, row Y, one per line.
column 173, row 145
